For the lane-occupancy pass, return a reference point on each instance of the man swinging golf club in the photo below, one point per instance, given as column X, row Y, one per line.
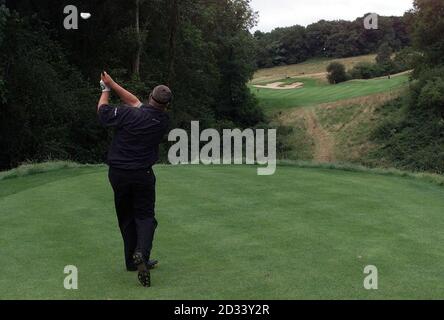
column 133, row 152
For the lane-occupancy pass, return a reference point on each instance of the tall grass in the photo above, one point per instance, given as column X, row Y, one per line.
column 430, row 177
column 35, row 168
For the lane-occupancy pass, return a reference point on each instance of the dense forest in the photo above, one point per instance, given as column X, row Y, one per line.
column 49, row 75
column 337, row 39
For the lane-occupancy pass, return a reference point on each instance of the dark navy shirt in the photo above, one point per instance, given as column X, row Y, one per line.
column 139, row 132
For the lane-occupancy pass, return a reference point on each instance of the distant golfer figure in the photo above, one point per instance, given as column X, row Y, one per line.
column 134, row 150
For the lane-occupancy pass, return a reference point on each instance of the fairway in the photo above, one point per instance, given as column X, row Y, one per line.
column 225, row 233
column 316, row 92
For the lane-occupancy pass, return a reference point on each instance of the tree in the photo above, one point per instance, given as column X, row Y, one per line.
column 366, row 70
column 336, row 73
column 384, row 55
column 174, row 21
column 4, row 15
column 428, row 29
column 139, row 39
column 406, row 59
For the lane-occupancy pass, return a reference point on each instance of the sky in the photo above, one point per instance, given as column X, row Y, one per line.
column 284, row 13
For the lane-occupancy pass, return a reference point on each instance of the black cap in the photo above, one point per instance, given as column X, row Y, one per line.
column 162, row 94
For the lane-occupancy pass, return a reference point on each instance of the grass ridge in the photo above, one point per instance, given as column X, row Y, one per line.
column 36, row 168
column 28, row 169
column 427, row 176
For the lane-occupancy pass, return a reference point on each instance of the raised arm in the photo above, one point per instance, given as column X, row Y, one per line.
column 104, row 99
column 127, row 97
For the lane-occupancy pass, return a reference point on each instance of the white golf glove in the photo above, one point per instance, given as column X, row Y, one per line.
column 104, row 87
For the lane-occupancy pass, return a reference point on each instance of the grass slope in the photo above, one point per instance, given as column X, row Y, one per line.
column 317, row 92
column 226, row 233
column 341, row 129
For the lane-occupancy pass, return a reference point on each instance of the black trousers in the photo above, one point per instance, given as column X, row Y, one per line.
column 135, row 197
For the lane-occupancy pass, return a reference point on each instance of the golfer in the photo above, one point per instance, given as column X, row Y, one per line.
column 133, row 152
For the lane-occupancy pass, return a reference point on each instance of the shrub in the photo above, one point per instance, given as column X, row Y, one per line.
column 406, row 59
column 409, row 138
column 336, row 73
column 384, row 55
column 432, row 95
column 366, row 70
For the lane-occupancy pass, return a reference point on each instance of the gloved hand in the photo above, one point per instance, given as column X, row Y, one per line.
column 104, row 87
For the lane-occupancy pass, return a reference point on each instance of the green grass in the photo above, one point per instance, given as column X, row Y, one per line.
column 225, row 233
column 315, row 92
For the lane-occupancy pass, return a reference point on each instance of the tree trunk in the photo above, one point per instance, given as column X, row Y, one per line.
column 136, row 63
column 174, row 20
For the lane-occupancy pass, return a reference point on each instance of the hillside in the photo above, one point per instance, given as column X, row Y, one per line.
column 322, row 122
column 311, row 68
column 305, row 233
column 336, row 131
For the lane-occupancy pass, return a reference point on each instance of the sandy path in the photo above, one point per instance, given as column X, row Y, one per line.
column 324, row 142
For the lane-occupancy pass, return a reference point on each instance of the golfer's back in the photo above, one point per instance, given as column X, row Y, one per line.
column 139, row 132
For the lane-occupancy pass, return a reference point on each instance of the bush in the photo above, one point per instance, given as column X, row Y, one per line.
column 336, row 73
column 410, row 138
column 384, row 55
column 406, row 59
column 366, row 70
column 432, row 95
column 427, row 91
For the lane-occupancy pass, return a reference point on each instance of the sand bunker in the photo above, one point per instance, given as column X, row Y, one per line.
column 281, row 86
